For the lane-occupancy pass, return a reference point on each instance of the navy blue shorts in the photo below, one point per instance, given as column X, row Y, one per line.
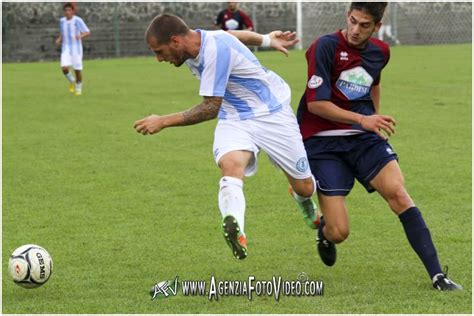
column 336, row 161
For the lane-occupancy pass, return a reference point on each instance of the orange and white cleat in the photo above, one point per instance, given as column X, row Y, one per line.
column 234, row 237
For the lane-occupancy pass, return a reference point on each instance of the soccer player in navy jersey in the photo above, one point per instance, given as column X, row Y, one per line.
column 233, row 18
column 252, row 105
column 345, row 135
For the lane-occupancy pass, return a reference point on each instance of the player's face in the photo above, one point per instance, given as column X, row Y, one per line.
column 232, row 6
column 360, row 27
column 68, row 13
column 170, row 52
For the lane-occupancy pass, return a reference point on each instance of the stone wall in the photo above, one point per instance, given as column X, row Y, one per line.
column 29, row 29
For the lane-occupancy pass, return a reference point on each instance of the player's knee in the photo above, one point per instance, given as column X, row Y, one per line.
column 340, row 236
column 304, row 187
column 232, row 168
column 399, row 198
column 65, row 70
column 337, row 234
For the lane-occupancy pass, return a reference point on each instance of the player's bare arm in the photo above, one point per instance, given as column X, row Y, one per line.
column 278, row 40
column 205, row 111
column 83, row 35
column 58, row 40
column 375, row 94
column 375, row 123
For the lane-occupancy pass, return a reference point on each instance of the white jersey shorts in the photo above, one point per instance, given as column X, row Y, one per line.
column 74, row 60
column 276, row 134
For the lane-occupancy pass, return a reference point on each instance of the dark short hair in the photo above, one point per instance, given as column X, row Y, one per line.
column 375, row 9
column 68, row 5
column 164, row 26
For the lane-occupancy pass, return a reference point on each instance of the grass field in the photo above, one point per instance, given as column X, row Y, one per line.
column 119, row 211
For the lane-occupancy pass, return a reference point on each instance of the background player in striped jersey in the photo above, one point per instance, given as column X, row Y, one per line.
column 72, row 30
column 342, row 128
column 253, row 109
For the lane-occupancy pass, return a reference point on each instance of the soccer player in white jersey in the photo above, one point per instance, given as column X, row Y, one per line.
column 72, row 30
column 252, row 105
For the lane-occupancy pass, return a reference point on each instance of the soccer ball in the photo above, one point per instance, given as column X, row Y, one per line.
column 30, row 266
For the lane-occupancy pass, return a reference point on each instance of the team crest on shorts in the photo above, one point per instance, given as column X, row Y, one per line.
column 302, row 164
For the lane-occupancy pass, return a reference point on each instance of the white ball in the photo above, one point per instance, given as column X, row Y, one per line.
column 231, row 24
column 30, row 266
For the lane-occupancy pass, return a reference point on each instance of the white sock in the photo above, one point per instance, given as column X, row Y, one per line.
column 70, row 77
column 300, row 198
column 78, row 86
column 232, row 200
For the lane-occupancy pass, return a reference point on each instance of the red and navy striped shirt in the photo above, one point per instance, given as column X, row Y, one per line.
column 343, row 75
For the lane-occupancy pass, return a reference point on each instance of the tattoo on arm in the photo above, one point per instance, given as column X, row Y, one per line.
column 207, row 110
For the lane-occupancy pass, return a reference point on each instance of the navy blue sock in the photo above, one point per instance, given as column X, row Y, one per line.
column 320, row 229
column 420, row 239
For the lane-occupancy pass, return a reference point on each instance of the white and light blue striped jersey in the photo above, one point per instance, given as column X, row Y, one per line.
column 69, row 30
column 228, row 69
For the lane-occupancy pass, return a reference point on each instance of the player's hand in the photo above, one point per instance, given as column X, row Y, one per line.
column 149, row 125
column 379, row 124
column 57, row 41
column 282, row 40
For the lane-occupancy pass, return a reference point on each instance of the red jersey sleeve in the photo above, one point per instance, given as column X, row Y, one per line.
column 246, row 20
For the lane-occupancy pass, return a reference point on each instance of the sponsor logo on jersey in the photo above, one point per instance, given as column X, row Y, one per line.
column 232, row 24
column 355, row 83
column 314, row 82
column 344, row 56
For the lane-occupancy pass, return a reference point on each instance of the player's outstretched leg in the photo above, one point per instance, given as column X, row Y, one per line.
column 308, row 209
column 326, row 248
column 69, row 78
column 302, row 191
column 234, row 237
column 420, row 240
column 78, row 90
column 232, row 207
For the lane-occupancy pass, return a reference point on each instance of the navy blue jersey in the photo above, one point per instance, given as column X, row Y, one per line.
column 343, row 75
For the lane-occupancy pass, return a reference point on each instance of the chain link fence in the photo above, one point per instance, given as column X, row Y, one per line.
column 29, row 29
column 412, row 23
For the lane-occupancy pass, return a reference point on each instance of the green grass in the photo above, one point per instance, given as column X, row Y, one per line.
column 119, row 211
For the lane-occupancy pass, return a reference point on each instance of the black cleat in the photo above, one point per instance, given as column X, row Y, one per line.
column 326, row 248
column 234, row 238
column 441, row 282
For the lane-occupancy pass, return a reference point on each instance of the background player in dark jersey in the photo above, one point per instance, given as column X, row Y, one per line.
column 233, row 18
column 344, row 135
